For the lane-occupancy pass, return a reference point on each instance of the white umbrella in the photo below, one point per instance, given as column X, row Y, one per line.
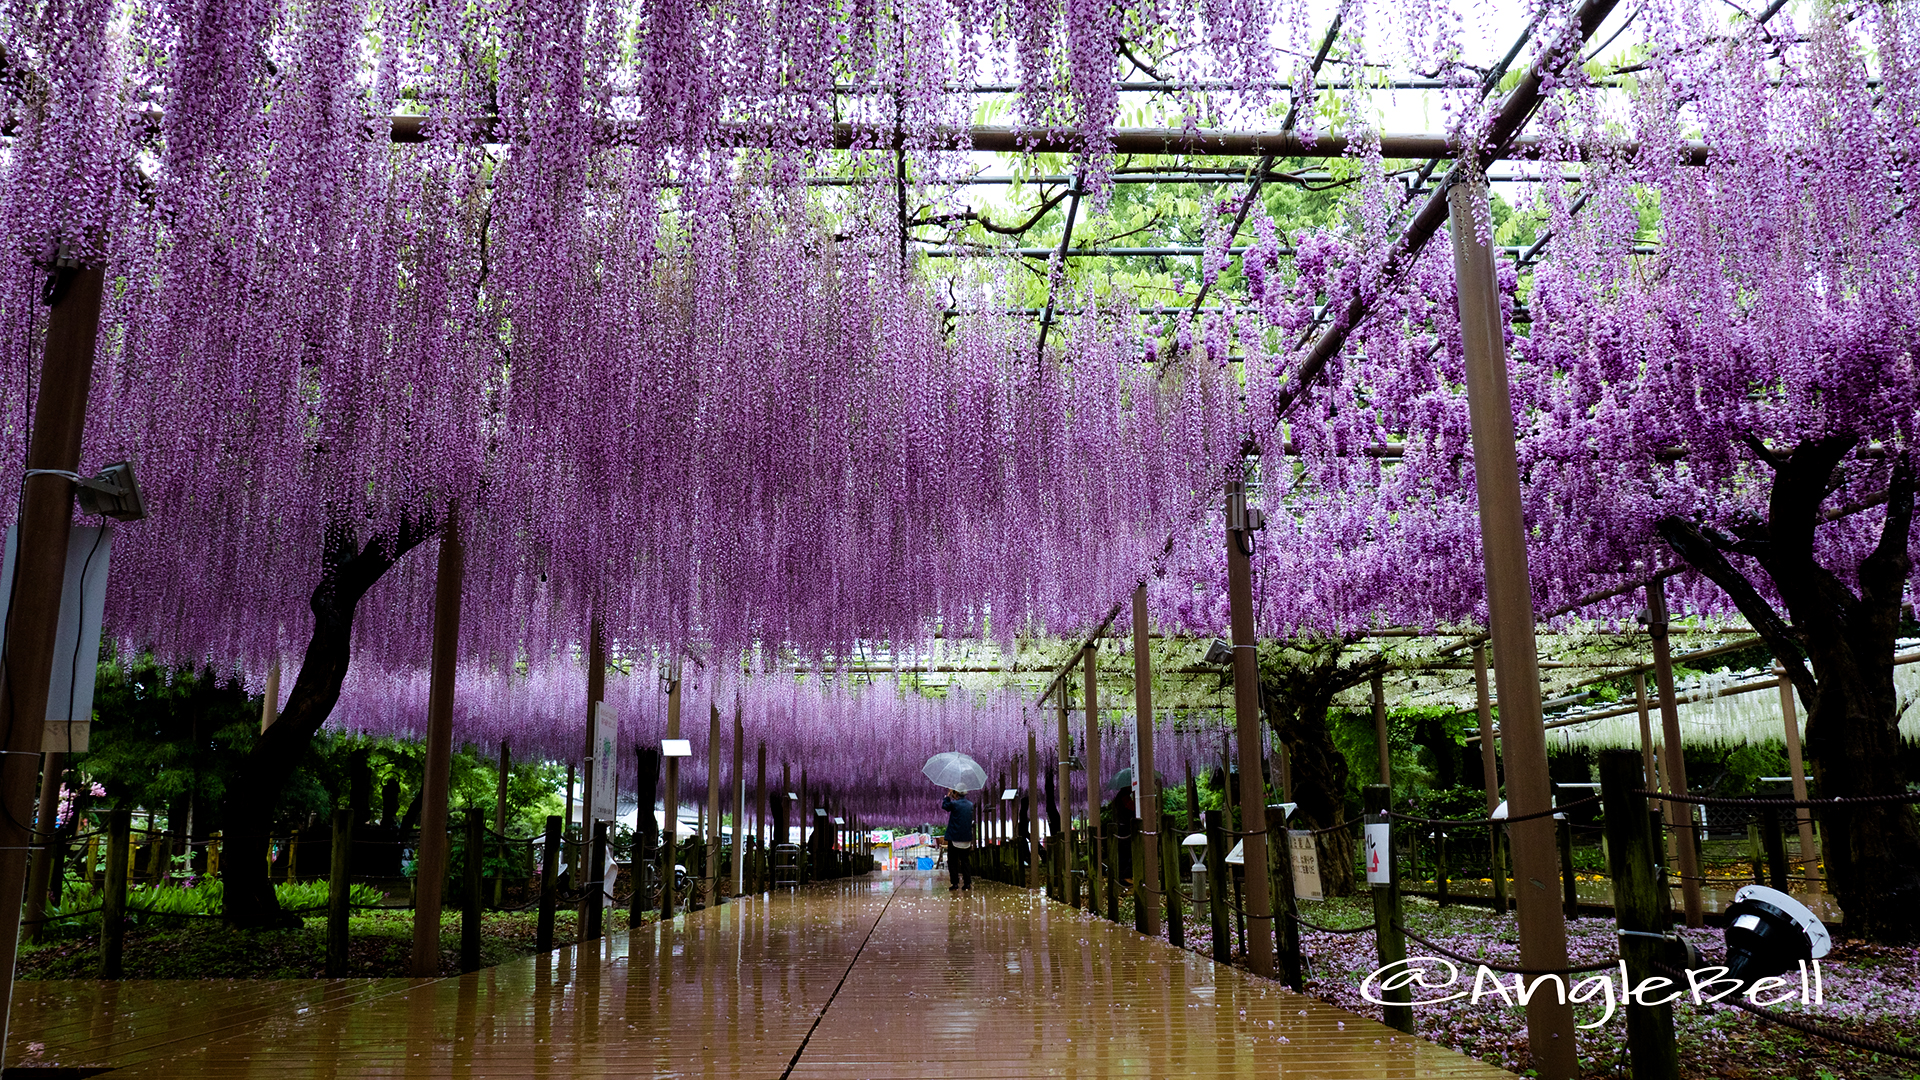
column 956, row 771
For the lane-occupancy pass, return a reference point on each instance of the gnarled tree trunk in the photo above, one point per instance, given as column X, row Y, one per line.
column 1298, row 684
column 348, row 570
column 1838, row 651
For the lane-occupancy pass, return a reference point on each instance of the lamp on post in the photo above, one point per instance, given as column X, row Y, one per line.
column 1196, row 843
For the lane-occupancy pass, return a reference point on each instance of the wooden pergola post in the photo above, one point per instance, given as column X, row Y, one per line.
column 1678, row 815
column 430, row 866
column 1797, row 768
column 1063, row 844
column 1147, row 892
column 1246, row 716
column 1096, row 784
column 1516, row 660
column 1033, row 811
column 1490, row 764
column 1380, row 729
column 738, row 797
column 671, row 798
column 711, row 876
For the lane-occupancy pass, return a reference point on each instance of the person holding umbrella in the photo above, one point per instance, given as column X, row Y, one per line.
column 960, row 839
column 959, row 774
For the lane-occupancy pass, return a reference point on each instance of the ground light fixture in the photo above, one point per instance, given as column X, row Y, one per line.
column 1197, row 844
column 1770, row 933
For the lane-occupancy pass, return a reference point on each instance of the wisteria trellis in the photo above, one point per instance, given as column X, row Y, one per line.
column 677, row 390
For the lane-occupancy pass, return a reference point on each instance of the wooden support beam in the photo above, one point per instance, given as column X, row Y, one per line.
column 430, row 865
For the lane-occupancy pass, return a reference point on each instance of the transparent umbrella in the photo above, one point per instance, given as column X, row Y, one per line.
column 956, row 771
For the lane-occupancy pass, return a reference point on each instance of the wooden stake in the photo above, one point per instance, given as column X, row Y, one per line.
column 339, row 893
column 1063, row 844
column 476, row 855
column 1516, row 661
column 113, row 905
column 39, row 877
column 549, row 883
column 1390, row 942
column 430, row 865
column 1641, row 912
column 712, row 876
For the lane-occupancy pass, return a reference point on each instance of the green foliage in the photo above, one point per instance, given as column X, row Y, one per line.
column 161, row 736
column 80, row 901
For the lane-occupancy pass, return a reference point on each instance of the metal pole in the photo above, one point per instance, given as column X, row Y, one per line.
column 1797, row 768
column 1380, row 730
column 1543, row 930
column 1096, row 783
column 1685, row 849
column 671, row 800
column 1147, row 874
column 40, row 564
column 430, row 866
column 1246, row 714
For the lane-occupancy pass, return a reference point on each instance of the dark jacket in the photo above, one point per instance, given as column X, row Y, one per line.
column 959, row 819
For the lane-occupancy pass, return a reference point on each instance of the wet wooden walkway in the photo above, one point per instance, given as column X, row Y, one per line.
column 888, row 976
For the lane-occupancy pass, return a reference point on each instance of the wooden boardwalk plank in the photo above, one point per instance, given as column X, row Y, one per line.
column 879, row 978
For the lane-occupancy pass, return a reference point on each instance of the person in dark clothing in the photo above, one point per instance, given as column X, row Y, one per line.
column 959, row 839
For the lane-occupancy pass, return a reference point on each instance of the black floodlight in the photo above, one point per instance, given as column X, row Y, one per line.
column 1218, row 653
column 1769, row 933
column 113, row 492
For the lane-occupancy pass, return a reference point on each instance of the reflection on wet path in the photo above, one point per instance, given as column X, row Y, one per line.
column 990, row 983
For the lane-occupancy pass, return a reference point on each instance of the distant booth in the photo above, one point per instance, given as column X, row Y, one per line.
column 911, row 851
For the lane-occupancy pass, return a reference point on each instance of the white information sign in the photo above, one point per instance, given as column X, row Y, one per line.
column 606, row 749
column 76, row 649
column 1136, row 762
column 1238, row 856
column 1379, row 853
column 1306, row 865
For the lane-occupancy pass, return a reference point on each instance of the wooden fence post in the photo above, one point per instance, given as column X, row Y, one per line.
column 1775, row 842
column 597, row 883
column 339, row 893
column 476, row 854
column 113, row 905
column 1280, row 865
column 1390, row 943
column 1170, row 875
column 1640, row 910
column 549, row 884
column 1217, row 885
column 1568, row 881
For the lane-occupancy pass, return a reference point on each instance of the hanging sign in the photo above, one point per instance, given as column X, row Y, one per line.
column 1379, row 853
column 76, row 635
column 1306, row 865
column 606, row 748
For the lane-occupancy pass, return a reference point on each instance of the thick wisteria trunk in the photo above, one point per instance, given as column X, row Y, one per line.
column 1846, row 677
column 1298, row 691
column 348, row 571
